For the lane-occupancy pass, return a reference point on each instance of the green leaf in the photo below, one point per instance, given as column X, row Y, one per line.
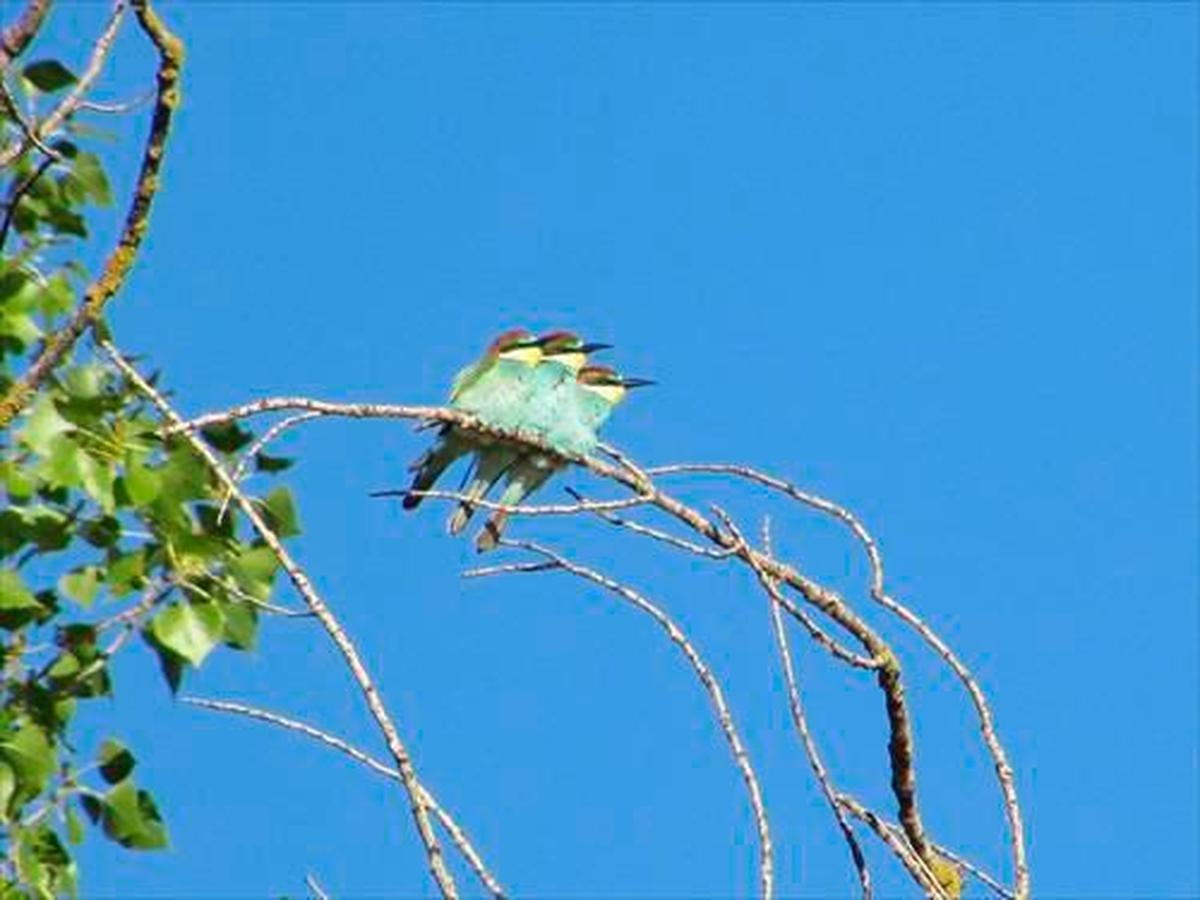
column 32, row 758
column 13, row 593
column 18, row 481
column 101, row 532
column 269, row 464
column 81, row 585
column 126, row 572
column 131, row 818
column 97, row 479
column 190, row 630
column 241, row 625
column 82, row 672
column 116, row 762
column 48, row 75
column 172, row 665
column 141, row 482
column 281, row 512
column 50, row 528
column 45, row 427
column 8, row 786
column 91, row 175
column 183, row 477
column 74, row 826
column 14, row 531
column 20, row 326
column 228, row 437
column 56, row 296
column 17, row 603
column 85, row 381
column 254, row 570
column 64, row 465
column 44, row 864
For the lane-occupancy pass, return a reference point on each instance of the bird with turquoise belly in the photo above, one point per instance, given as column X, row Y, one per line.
column 568, row 418
column 546, row 400
column 494, row 389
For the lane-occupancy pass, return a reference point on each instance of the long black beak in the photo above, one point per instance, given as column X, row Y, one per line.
column 592, row 348
column 636, row 382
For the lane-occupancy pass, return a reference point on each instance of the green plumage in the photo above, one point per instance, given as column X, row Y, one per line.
column 547, row 393
column 493, row 389
column 567, row 417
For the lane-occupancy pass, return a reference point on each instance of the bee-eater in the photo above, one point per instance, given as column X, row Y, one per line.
column 492, row 388
column 592, row 396
column 551, row 385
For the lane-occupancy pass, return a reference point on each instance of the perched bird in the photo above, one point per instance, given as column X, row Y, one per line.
column 494, row 389
column 574, row 414
column 549, row 393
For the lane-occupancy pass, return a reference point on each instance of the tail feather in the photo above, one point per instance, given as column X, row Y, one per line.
column 429, row 467
column 527, row 476
column 493, row 463
column 493, row 528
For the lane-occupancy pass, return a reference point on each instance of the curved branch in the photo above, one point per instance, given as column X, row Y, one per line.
column 120, row 261
column 38, row 132
column 987, row 725
column 457, row 835
column 894, row 838
column 433, row 849
column 901, row 750
column 800, row 720
column 703, row 672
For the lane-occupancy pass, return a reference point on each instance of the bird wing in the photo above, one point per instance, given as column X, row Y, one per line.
column 467, row 377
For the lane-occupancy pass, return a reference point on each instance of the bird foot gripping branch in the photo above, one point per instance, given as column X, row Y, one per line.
column 540, row 386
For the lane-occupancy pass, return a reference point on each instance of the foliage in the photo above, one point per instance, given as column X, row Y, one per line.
column 107, row 530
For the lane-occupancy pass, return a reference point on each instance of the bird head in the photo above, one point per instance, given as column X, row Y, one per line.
column 607, row 383
column 516, row 344
column 567, row 349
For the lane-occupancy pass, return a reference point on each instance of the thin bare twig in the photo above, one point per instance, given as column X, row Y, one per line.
column 707, row 679
column 116, row 108
column 38, row 132
column 509, row 569
column 257, row 447
column 654, row 533
column 333, row 628
column 310, row 882
column 978, row 873
column 30, row 131
column 1004, row 773
column 987, row 725
column 18, row 193
column 771, row 586
column 120, row 261
column 896, row 840
column 457, row 835
column 549, row 509
column 810, row 745
column 901, row 750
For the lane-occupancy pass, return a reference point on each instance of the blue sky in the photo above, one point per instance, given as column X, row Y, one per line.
column 938, row 262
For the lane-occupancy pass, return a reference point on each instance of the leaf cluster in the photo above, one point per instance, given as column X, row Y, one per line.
column 111, row 535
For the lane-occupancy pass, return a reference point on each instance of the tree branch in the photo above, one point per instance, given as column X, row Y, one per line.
column 120, row 261
column 38, row 132
column 16, row 37
column 888, row 672
column 399, row 752
column 800, row 720
column 894, row 838
column 457, row 835
column 1004, row 773
column 703, row 672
